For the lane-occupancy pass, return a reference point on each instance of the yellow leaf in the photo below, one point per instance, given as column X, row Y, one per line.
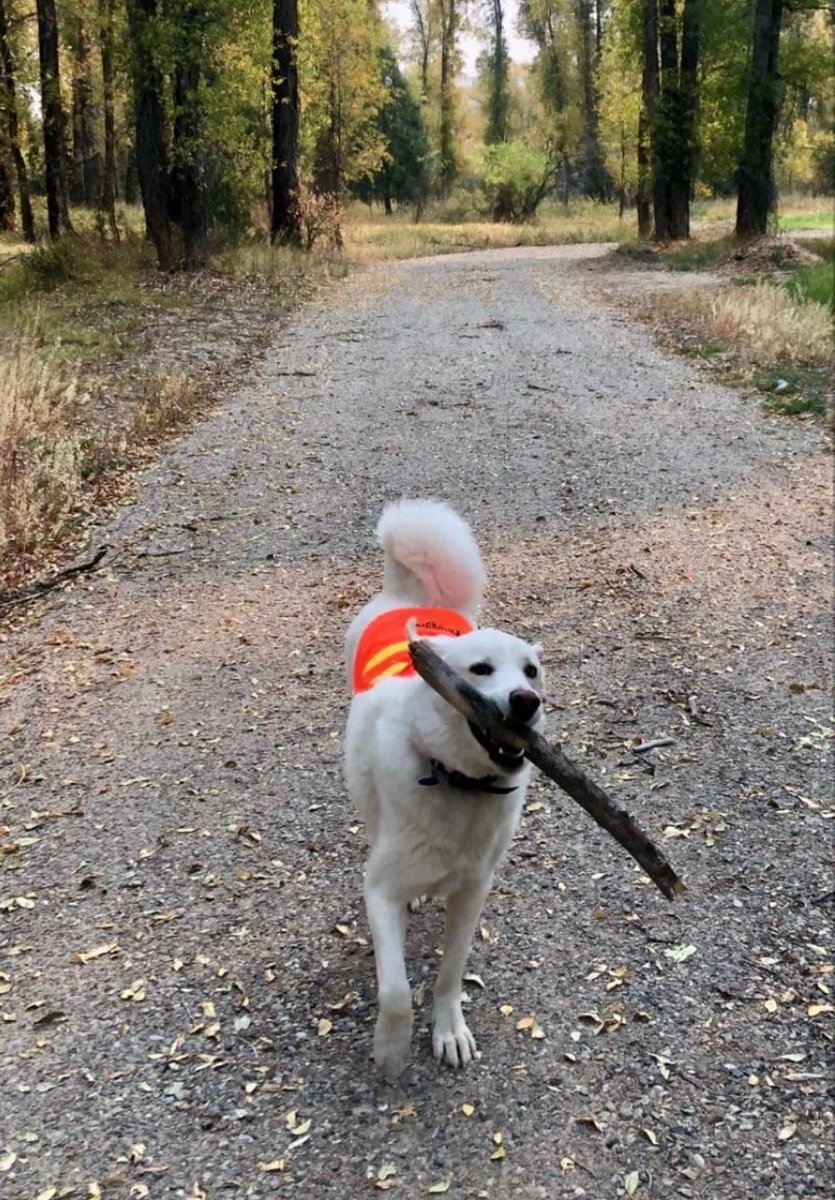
column 8, row 1161
column 93, row 1190
column 505, row 1009
column 47, row 1194
column 177, row 964
column 468, row 1109
column 139, row 1191
column 208, row 1009
column 498, row 1137
column 291, row 1118
column 499, row 1153
column 211, row 1031
column 137, row 1152
column 770, row 1005
column 300, row 1130
column 567, row 1163
column 383, row 1185
column 632, row 1182
column 650, row 1136
column 386, row 1171
column 324, row 1027
column 814, row 1010
column 526, row 1023
column 788, row 1131
column 277, row 1164
column 438, row 1189
column 590, row 1120
column 85, row 956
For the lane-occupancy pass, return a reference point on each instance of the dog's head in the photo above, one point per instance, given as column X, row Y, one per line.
column 508, row 671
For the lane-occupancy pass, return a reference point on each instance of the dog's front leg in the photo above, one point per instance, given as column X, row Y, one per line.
column 393, row 1031
column 451, row 1039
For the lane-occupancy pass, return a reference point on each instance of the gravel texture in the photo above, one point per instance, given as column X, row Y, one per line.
column 171, row 794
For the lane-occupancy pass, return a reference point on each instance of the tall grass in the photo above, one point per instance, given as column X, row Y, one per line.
column 41, row 456
column 767, row 326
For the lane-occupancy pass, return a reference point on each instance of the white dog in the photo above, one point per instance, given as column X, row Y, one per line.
column 440, row 800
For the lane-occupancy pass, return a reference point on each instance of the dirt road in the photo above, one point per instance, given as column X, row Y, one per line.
column 185, row 973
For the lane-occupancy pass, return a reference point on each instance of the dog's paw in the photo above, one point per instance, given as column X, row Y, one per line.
column 452, row 1041
column 392, row 1038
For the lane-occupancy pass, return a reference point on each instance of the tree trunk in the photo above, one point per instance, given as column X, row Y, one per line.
column 285, row 226
column 151, row 148
column 108, row 181
column 85, row 158
column 8, row 99
column 757, row 192
column 596, row 178
column 188, row 200
column 6, row 186
column 498, row 98
column 683, row 169
column 57, row 203
column 646, row 122
column 449, row 31
column 423, row 21
column 663, row 132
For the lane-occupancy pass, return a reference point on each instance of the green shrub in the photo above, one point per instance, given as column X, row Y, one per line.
column 516, row 179
column 815, row 283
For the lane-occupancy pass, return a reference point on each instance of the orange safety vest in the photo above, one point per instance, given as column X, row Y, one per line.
column 383, row 648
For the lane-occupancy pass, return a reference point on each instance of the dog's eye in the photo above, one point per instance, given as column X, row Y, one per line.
column 531, row 671
column 481, row 669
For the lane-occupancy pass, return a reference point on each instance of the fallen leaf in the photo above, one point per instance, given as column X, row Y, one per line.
column 139, row 1191
column 788, row 1131
column 385, row 1176
column 632, row 1182
column 8, row 1161
column 93, row 1190
column 815, row 1010
column 505, row 1009
column 651, row 1137
column 300, row 1130
column 498, row 1137
column 137, row 1152
column 591, row 1120
column 277, row 1164
column 679, row 954
column 499, row 1153
column 401, row 1113
column 438, row 1189
column 135, row 992
column 526, row 1023
column 324, row 1027
column 85, row 956
column 567, row 1163
column 476, row 979
column 770, row 1005
column 468, row 1109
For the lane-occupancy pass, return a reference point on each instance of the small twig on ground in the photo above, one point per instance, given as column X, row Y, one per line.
column 643, row 747
column 484, row 713
column 40, row 587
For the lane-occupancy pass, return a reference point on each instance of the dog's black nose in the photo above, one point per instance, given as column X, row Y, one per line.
column 523, row 703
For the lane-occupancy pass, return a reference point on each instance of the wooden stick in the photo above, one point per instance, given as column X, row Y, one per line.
column 42, row 586
column 484, row 713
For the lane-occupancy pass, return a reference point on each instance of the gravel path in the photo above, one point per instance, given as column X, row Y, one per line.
column 185, row 972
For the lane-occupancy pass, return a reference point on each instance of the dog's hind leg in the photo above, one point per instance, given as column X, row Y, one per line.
column 452, row 1041
column 393, row 1031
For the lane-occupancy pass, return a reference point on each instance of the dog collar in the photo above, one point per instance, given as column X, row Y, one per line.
column 464, row 783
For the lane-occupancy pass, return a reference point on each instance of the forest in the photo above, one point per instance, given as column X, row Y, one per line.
column 229, row 120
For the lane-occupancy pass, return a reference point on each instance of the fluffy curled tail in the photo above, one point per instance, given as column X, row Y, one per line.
column 431, row 556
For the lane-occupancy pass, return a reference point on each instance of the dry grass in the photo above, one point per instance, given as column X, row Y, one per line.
column 767, row 326
column 56, row 456
column 398, row 236
column 41, row 455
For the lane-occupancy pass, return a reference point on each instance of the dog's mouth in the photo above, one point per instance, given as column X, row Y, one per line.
column 509, row 758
